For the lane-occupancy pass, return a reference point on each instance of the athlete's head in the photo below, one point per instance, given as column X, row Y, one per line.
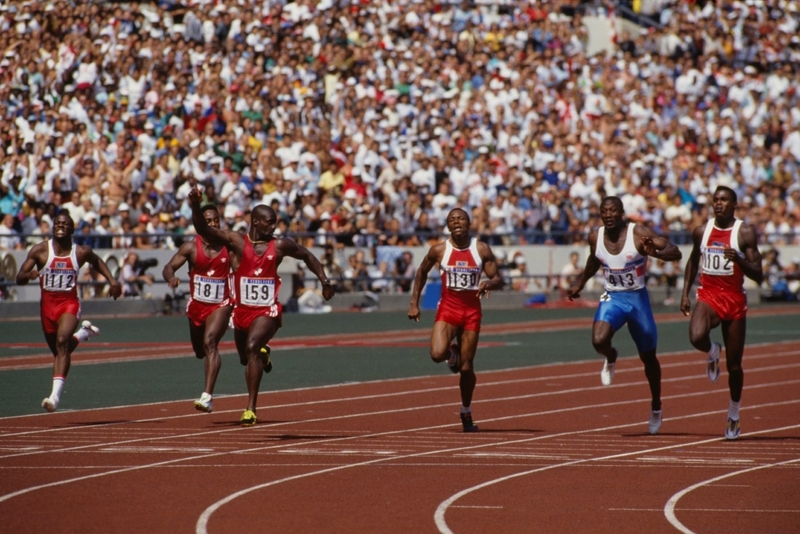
column 458, row 222
column 612, row 212
column 211, row 215
column 263, row 220
column 724, row 202
column 63, row 225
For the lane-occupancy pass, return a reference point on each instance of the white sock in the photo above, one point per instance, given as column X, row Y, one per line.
column 713, row 354
column 733, row 410
column 58, row 387
column 205, row 396
column 466, row 409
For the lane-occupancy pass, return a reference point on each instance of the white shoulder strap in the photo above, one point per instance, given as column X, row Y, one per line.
column 707, row 233
column 473, row 248
column 448, row 248
column 735, row 235
column 600, row 247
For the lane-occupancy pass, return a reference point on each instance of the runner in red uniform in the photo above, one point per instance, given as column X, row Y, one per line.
column 254, row 259
column 209, row 308
column 57, row 262
column 725, row 251
column 462, row 261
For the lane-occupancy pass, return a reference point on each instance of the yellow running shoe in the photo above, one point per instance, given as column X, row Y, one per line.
column 265, row 352
column 248, row 418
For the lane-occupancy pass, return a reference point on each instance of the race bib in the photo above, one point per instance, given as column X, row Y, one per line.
column 258, row 292
column 209, row 290
column 59, row 279
column 462, row 279
column 626, row 279
column 715, row 263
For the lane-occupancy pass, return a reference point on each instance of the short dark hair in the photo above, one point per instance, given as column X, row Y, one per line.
column 729, row 190
column 206, row 207
column 614, row 200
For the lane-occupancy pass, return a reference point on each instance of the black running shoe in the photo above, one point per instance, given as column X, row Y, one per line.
column 265, row 350
column 466, row 422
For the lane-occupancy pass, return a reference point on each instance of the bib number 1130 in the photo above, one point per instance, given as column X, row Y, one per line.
column 461, row 280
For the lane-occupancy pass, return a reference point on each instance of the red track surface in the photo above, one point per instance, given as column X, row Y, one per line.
column 557, row 452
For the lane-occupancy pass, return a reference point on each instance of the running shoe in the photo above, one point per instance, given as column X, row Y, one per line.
column 204, row 403
column 654, row 424
column 607, row 374
column 712, row 369
column 86, row 331
column 49, row 405
column 265, row 352
column 454, row 362
column 466, row 422
column 248, row 418
column 732, row 429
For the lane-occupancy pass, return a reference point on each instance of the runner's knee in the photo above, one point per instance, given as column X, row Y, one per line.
column 599, row 340
column 439, row 355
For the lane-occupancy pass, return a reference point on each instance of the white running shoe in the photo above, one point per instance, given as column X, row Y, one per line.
column 86, row 331
column 732, row 429
column 712, row 368
column 204, row 403
column 49, row 404
column 454, row 361
column 654, row 425
column 607, row 374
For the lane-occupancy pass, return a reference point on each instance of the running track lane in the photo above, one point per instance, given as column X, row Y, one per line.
column 383, row 451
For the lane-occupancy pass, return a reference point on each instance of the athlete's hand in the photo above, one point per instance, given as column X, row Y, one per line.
column 327, row 291
column 483, row 289
column 413, row 312
column 33, row 275
column 648, row 246
column 175, row 282
column 574, row 292
column 686, row 306
column 731, row 254
column 195, row 196
column 115, row 290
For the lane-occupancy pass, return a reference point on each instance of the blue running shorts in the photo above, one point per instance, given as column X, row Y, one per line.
column 632, row 307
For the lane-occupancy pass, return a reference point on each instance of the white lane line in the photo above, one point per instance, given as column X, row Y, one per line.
column 416, row 408
column 721, row 510
column 395, row 394
column 484, row 507
column 202, row 522
column 439, row 515
column 263, row 394
column 669, row 508
column 206, row 514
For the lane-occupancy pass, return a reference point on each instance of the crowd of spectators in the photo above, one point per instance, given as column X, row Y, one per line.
column 364, row 122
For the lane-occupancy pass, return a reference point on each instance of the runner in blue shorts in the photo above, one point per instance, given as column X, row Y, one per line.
column 621, row 250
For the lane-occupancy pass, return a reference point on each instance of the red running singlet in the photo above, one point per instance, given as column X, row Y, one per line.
column 255, row 286
column 721, row 280
column 59, row 283
column 209, row 284
column 461, row 271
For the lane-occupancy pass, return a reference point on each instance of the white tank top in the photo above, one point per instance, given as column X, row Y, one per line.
column 624, row 271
